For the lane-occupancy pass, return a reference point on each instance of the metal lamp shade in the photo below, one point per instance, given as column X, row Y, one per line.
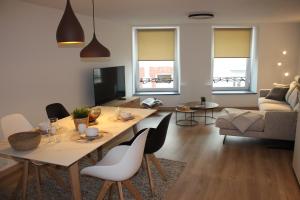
column 69, row 31
column 94, row 49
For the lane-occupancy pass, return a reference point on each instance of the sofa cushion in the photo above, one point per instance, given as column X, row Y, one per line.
column 275, row 107
column 289, row 92
column 293, row 98
column 264, row 100
column 277, row 93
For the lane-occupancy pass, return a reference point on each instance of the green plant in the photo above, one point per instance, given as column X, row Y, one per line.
column 80, row 113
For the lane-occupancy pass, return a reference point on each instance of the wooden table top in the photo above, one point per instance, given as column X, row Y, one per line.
column 69, row 150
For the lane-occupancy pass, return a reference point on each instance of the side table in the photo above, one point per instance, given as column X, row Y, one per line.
column 189, row 117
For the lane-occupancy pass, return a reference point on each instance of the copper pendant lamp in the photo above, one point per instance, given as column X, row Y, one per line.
column 69, row 31
column 94, row 48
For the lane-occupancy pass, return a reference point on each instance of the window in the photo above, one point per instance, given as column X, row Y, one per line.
column 232, row 58
column 155, row 59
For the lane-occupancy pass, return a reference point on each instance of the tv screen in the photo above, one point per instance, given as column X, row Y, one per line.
column 109, row 84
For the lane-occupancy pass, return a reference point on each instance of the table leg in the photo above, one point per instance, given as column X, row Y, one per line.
column 75, row 181
column 99, row 153
column 25, row 179
column 134, row 128
column 205, row 116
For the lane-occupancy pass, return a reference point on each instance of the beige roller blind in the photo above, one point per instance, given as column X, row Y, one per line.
column 156, row 44
column 232, row 42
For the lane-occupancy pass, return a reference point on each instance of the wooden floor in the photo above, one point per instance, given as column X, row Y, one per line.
column 241, row 169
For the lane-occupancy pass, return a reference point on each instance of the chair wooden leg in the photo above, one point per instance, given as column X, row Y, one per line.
column 57, row 179
column 38, row 180
column 156, row 163
column 25, row 179
column 120, row 190
column 111, row 191
column 106, row 185
column 149, row 174
column 132, row 189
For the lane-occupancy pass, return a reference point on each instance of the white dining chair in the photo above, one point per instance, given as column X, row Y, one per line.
column 14, row 123
column 118, row 166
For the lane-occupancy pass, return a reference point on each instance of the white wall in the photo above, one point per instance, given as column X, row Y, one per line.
column 35, row 72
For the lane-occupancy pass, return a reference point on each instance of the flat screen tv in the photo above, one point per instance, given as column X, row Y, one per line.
column 109, row 84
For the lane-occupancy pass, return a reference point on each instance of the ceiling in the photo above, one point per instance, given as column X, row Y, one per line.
column 176, row 11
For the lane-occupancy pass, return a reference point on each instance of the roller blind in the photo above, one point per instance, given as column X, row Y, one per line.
column 156, row 44
column 232, row 42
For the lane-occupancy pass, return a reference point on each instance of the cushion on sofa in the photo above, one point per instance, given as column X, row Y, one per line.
column 275, row 107
column 289, row 92
column 293, row 98
column 264, row 100
column 277, row 93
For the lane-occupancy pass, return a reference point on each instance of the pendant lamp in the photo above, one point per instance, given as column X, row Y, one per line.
column 94, row 48
column 69, row 31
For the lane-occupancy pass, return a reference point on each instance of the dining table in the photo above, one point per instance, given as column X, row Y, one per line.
column 66, row 148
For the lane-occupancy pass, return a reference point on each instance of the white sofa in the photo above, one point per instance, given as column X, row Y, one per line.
column 279, row 117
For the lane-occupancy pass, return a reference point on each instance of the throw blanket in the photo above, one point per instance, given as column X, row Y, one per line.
column 241, row 119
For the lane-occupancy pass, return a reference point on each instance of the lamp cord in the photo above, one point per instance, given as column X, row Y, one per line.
column 93, row 16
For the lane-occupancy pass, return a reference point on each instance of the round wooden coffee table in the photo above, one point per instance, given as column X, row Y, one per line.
column 206, row 107
column 189, row 117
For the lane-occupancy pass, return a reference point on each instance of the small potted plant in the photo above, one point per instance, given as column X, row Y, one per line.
column 81, row 116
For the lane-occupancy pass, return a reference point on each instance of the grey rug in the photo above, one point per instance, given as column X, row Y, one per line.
column 90, row 186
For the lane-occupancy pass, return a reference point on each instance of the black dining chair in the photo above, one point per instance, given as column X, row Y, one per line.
column 155, row 140
column 56, row 110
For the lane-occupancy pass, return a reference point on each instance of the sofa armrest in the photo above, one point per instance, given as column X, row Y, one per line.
column 264, row 92
column 281, row 125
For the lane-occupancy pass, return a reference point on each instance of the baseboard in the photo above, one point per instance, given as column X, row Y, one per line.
column 172, row 108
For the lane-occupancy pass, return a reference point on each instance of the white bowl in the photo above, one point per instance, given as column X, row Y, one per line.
column 92, row 132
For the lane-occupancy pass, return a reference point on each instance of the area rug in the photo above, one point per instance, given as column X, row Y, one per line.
column 90, row 186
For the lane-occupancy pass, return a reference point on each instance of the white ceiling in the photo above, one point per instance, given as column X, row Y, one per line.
column 175, row 11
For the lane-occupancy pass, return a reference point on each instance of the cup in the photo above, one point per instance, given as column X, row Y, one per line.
column 44, row 126
column 81, row 128
column 92, row 132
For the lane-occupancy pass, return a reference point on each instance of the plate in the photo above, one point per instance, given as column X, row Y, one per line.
column 84, row 136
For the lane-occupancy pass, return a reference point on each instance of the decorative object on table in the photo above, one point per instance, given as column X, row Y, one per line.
column 92, row 132
column 125, row 116
column 81, row 128
column 69, row 31
column 94, row 48
column 94, row 114
column 24, row 141
column 81, row 116
column 151, row 103
column 44, row 126
column 182, row 108
column 203, row 100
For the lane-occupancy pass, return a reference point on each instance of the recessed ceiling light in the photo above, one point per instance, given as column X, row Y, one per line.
column 201, row 15
column 286, row 74
column 279, row 64
column 284, row 52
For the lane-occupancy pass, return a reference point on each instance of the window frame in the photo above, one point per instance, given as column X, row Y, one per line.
column 135, row 61
column 249, row 66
